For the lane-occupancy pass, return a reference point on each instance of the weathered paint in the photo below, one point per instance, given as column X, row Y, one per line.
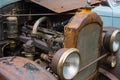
column 64, row 5
column 18, row 68
column 73, row 38
column 76, row 24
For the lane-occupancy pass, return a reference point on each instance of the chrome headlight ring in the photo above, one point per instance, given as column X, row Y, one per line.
column 66, row 63
column 111, row 61
column 111, row 41
column 115, row 41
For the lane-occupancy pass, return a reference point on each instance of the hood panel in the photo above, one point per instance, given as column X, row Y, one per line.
column 62, row 5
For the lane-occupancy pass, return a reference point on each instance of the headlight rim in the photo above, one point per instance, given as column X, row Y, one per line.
column 63, row 59
column 112, row 39
column 114, row 62
column 111, row 61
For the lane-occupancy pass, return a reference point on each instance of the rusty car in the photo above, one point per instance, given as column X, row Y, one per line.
column 56, row 40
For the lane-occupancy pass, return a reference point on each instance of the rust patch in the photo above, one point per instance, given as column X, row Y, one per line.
column 77, row 22
column 64, row 5
column 22, row 69
column 30, row 67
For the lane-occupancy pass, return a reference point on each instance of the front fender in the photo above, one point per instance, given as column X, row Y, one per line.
column 18, row 68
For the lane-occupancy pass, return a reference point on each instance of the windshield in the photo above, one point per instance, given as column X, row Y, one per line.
column 115, row 2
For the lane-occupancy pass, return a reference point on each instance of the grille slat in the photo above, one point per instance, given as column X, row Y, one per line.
column 88, row 42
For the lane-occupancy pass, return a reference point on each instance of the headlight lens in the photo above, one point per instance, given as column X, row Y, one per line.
column 71, row 66
column 66, row 63
column 111, row 61
column 115, row 45
column 114, row 63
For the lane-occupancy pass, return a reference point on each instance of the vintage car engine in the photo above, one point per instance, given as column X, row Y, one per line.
column 51, row 39
column 41, row 35
column 43, row 45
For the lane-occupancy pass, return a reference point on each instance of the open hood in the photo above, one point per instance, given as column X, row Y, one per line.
column 63, row 5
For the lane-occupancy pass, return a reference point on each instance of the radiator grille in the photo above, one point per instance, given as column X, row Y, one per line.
column 88, row 44
column 84, row 32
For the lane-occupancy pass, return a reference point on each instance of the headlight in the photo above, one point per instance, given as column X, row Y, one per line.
column 66, row 63
column 111, row 61
column 112, row 41
column 115, row 46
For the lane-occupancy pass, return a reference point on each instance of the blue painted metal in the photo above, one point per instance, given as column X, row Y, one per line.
column 110, row 14
column 6, row 2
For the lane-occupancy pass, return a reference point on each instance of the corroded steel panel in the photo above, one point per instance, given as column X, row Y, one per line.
column 63, row 5
column 84, row 32
column 76, row 23
column 18, row 68
column 87, row 43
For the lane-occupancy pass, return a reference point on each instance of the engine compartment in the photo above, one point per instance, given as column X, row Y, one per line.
column 57, row 42
column 31, row 34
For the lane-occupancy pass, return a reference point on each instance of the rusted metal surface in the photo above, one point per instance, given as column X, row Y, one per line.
column 2, row 77
column 83, row 30
column 63, row 5
column 56, row 58
column 18, row 68
column 55, row 61
column 79, row 21
column 59, row 61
